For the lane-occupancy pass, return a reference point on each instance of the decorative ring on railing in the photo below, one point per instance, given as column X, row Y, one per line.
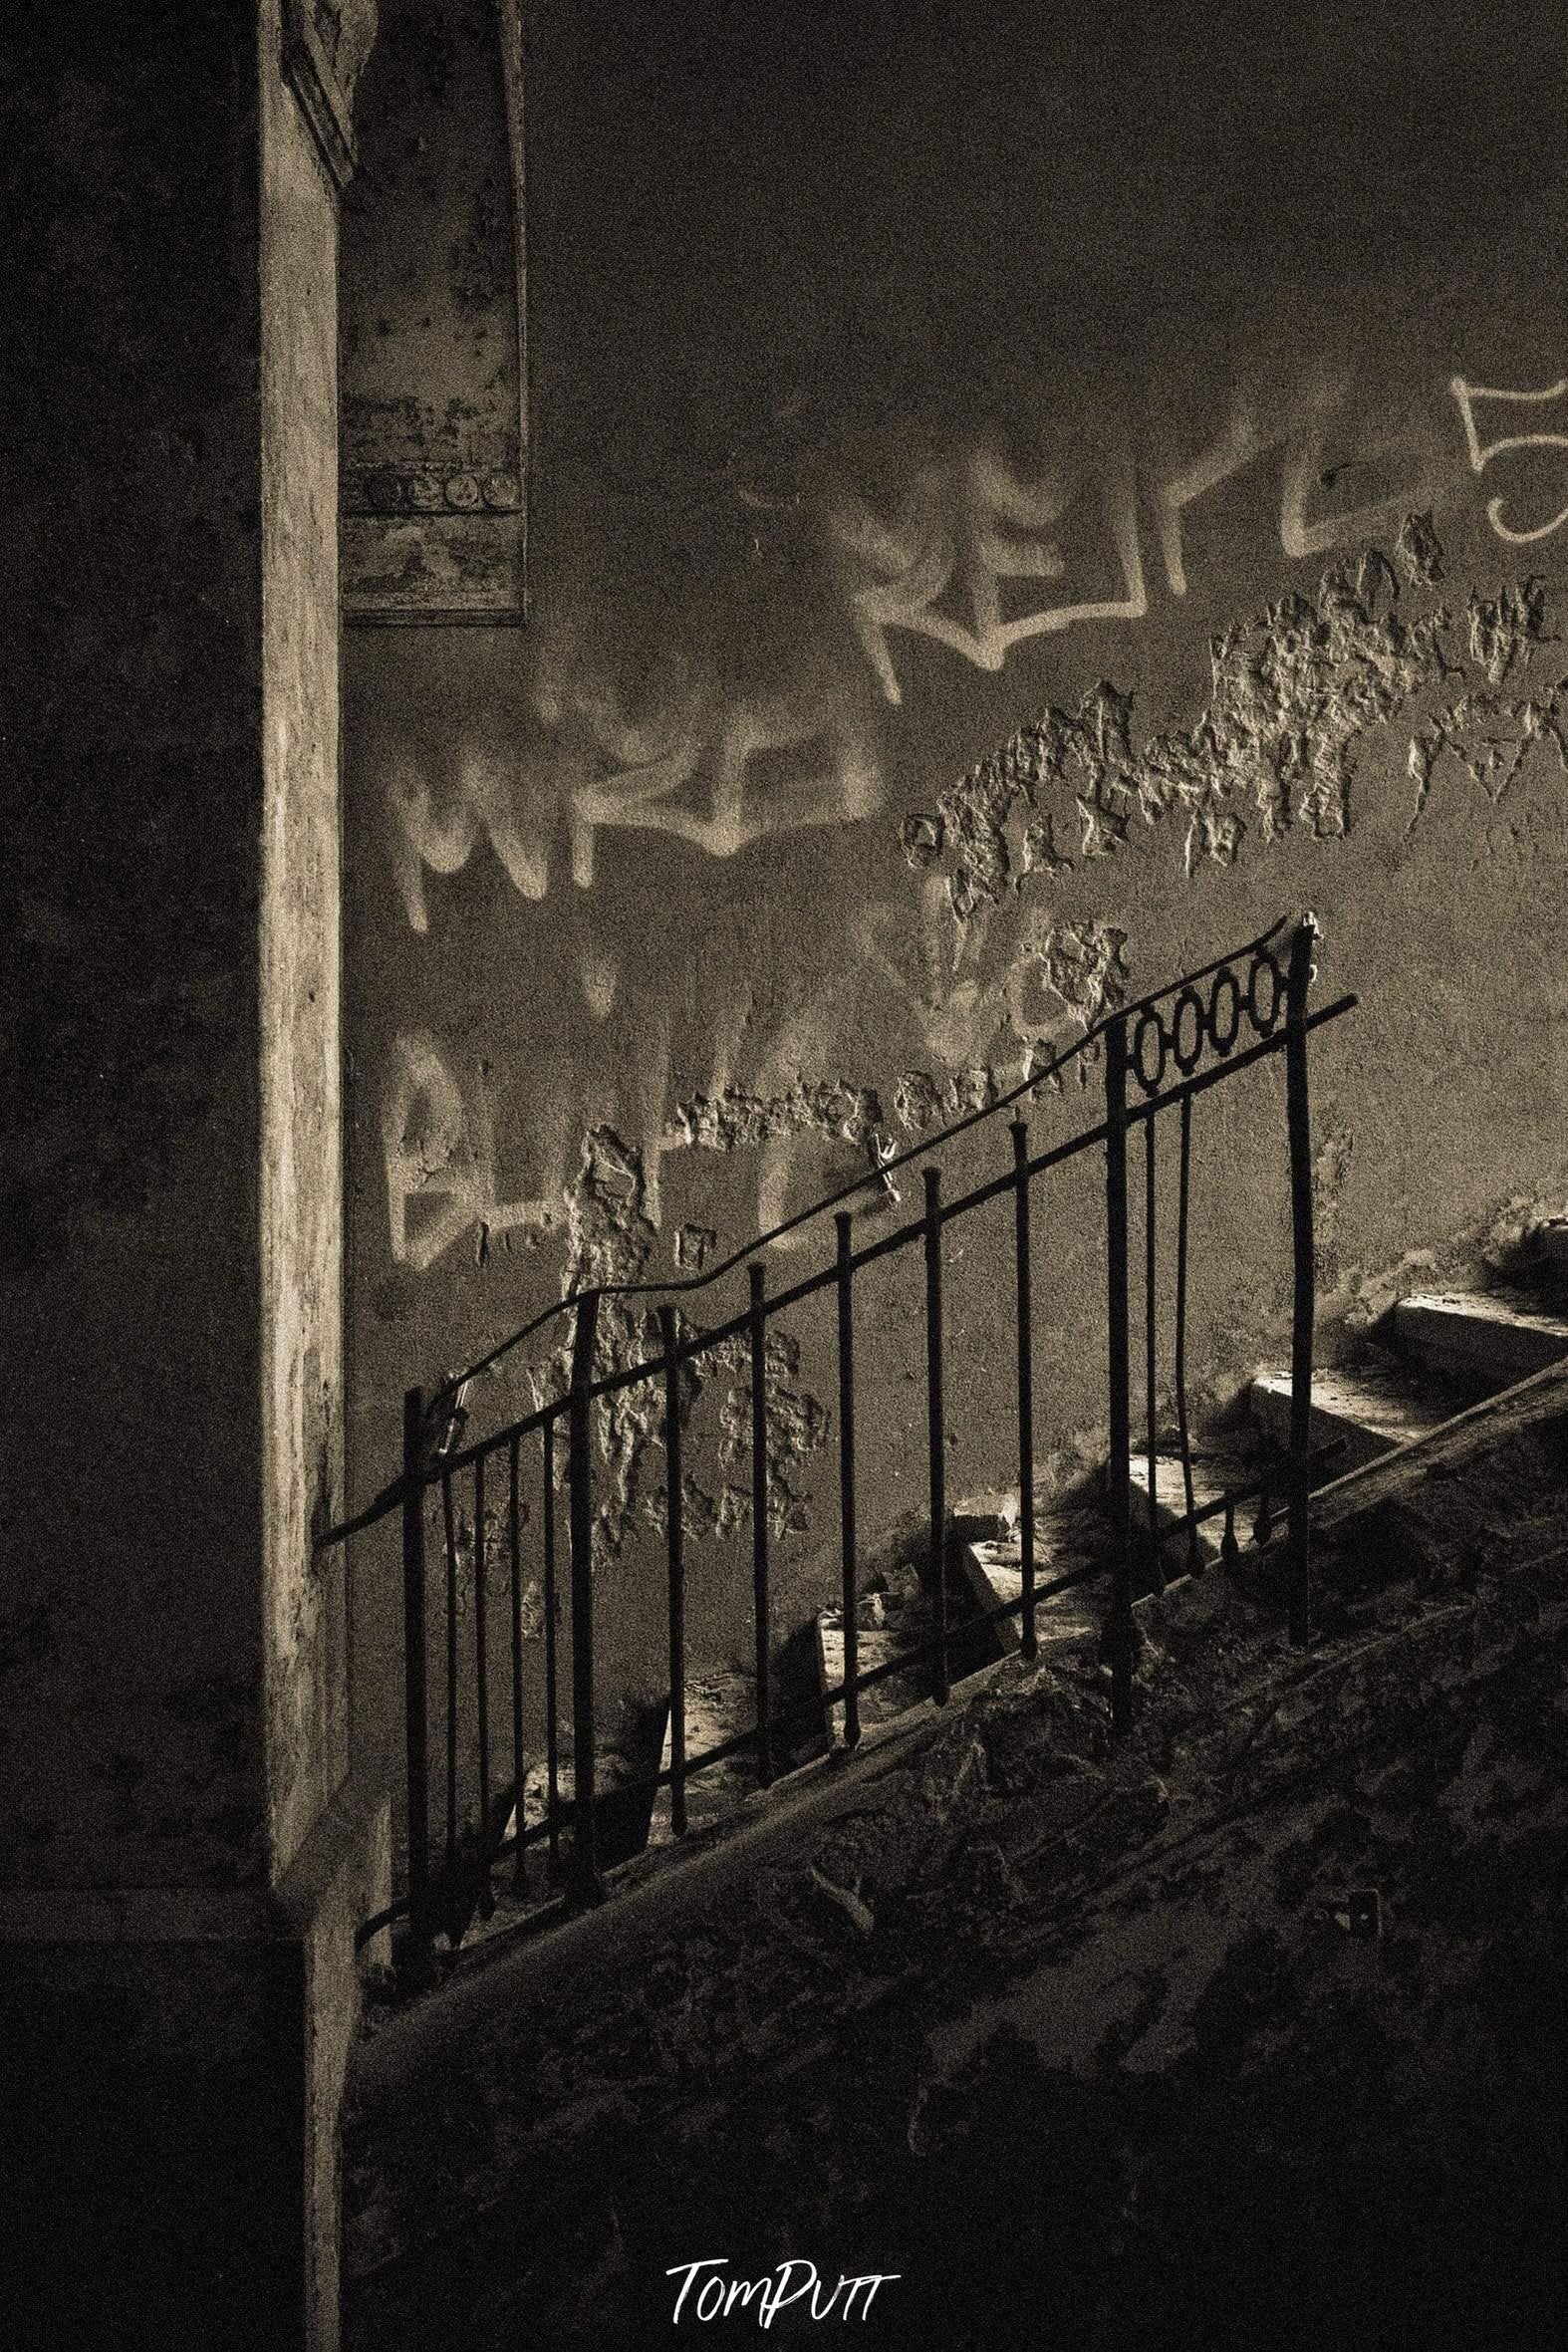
column 1179, row 1029
column 1188, row 1058
column 1148, row 1022
column 1262, row 962
column 1224, row 978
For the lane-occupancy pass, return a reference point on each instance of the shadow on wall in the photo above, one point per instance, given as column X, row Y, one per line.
column 882, row 419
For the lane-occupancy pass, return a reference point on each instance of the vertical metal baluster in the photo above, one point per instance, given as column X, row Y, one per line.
column 515, row 1557
column 675, row 1533
column 1025, row 1311
column 1263, row 1524
column 935, row 1425
column 1151, row 1347
column 851, row 1597
column 552, row 1702
column 1229, row 1549
column 416, row 1726
column 481, row 1660
column 586, row 1886
column 1299, row 1124
column 450, row 1525
column 1194, row 1556
column 1120, row 1470
column 759, row 1514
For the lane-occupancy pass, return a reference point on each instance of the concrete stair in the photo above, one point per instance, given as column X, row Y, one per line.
column 1550, row 1244
column 1362, row 1410
column 720, row 1707
column 620, row 1806
column 1440, row 1351
column 875, row 1646
column 1409, row 1393
column 1487, row 1338
column 1167, row 1505
column 1070, row 1538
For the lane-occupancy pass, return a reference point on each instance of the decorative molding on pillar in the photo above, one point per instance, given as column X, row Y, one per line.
column 434, row 504
column 324, row 45
column 509, row 21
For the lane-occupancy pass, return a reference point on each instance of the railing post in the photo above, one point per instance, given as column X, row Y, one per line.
column 759, row 1517
column 1121, row 1465
column 416, row 1681
column 585, row 1884
column 552, row 1644
column 1025, row 1316
column 674, row 1531
column 936, row 1426
column 481, row 1671
column 849, row 1597
column 1297, row 985
column 514, row 1515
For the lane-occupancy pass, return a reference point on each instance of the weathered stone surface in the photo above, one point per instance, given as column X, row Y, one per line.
column 1224, row 2025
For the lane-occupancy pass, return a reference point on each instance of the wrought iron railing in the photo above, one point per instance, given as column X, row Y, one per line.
column 1160, row 1055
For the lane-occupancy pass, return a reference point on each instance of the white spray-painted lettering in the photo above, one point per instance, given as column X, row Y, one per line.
column 1482, row 453
column 722, row 770
column 959, row 520
column 440, row 1154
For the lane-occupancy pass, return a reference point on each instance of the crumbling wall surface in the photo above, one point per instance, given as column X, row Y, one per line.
column 1255, row 2024
column 939, row 633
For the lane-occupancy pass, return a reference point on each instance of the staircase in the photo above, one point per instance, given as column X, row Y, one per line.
column 530, row 1835
column 1441, row 1371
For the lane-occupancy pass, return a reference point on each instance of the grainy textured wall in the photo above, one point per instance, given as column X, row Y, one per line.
column 299, row 1051
column 131, row 1640
column 1016, row 506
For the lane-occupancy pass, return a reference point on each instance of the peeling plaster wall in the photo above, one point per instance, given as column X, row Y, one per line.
column 968, row 589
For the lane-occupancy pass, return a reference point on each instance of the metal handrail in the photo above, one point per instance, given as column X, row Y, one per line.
column 451, row 1389
column 882, row 1173
column 1142, row 1043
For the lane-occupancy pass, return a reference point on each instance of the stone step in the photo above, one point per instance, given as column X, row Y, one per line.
column 721, row 1705
column 1068, row 1537
column 1361, row 1412
column 1552, row 1244
column 876, row 1645
column 619, row 1813
column 1169, row 1502
column 1487, row 1337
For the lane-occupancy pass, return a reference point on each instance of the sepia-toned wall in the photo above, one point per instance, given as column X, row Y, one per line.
column 1013, row 505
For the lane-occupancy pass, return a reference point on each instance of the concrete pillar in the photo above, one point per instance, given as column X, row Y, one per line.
column 182, row 1857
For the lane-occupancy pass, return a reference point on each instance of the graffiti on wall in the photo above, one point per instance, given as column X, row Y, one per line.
column 674, row 748
column 717, row 774
column 975, row 977
column 1482, row 454
column 438, row 1151
column 1295, row 690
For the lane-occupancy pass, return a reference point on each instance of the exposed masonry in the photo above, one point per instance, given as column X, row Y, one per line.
column 1293, row 692
column 611, row 1239
column 1419, row 552
column 717, row 1122
column 1065, row 976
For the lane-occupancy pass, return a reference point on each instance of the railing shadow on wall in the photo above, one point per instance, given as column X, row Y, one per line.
column 1158, row 1055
